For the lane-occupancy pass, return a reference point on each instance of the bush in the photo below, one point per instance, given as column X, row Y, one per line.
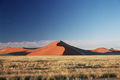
column 27, row 78
column 93, row 76
column 109, row 75
column 61, row 77
column 2, row 78
column 39, row 77
column 82, row 76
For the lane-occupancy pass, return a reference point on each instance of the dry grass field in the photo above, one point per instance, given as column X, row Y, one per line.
column 60, row 67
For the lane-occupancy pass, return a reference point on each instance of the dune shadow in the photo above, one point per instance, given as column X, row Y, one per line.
column 71, row 50
column 113, row 53
column 21, row 53
column 30, row 48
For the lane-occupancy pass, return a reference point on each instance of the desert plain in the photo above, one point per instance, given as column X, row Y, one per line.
column 83, row 67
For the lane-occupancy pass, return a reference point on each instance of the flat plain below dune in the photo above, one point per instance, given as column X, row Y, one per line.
column 60, row 67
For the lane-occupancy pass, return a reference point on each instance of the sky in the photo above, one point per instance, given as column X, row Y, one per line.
column 81, row 20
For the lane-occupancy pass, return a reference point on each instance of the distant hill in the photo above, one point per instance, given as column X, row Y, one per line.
column 104, row 50
column 56, row 48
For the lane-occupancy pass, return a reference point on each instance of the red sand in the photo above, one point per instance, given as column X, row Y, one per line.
column 50, row 49
column 56, row 48
column 104, row 50
column 11, row 50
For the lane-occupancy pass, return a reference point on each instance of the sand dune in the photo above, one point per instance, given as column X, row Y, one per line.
column 50, row 49
column 104, row 50
column 56, row 48
column 11, row 49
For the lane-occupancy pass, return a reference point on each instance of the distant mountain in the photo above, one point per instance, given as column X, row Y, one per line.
column 56, row 48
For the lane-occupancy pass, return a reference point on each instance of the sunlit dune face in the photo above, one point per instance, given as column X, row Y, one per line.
column 14, row 49
column 11, row 49
column 50, row 49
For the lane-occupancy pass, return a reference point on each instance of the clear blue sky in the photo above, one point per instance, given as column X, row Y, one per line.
column 34, row 20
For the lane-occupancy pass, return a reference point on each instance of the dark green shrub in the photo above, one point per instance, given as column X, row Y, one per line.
column 82, row 76
column 72, row 77
column 108, row 75
column 51, row 78
column 16, row 78
column 27, row 78
column 60, row 77
column 2, row 78
column 93, row 76
column 39, row 77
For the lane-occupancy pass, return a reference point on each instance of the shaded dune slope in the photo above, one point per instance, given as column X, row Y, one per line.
column 71, row 50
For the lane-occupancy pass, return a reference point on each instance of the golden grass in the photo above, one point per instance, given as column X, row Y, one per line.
column 59, row 67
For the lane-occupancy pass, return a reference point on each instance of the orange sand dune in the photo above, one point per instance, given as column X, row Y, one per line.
column 11, row 49
column 104, row 50
column 14, row 50
column 56, row 48
column 50, row 49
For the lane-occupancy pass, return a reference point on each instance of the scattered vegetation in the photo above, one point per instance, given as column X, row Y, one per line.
column 59, row 67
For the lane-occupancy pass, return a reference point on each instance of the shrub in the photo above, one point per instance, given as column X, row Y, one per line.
column 93, row 76
column 61, row 77
column 2, row 78
column 109, row 75
column 39, row 77
column 27, row 78
column 82, row 76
